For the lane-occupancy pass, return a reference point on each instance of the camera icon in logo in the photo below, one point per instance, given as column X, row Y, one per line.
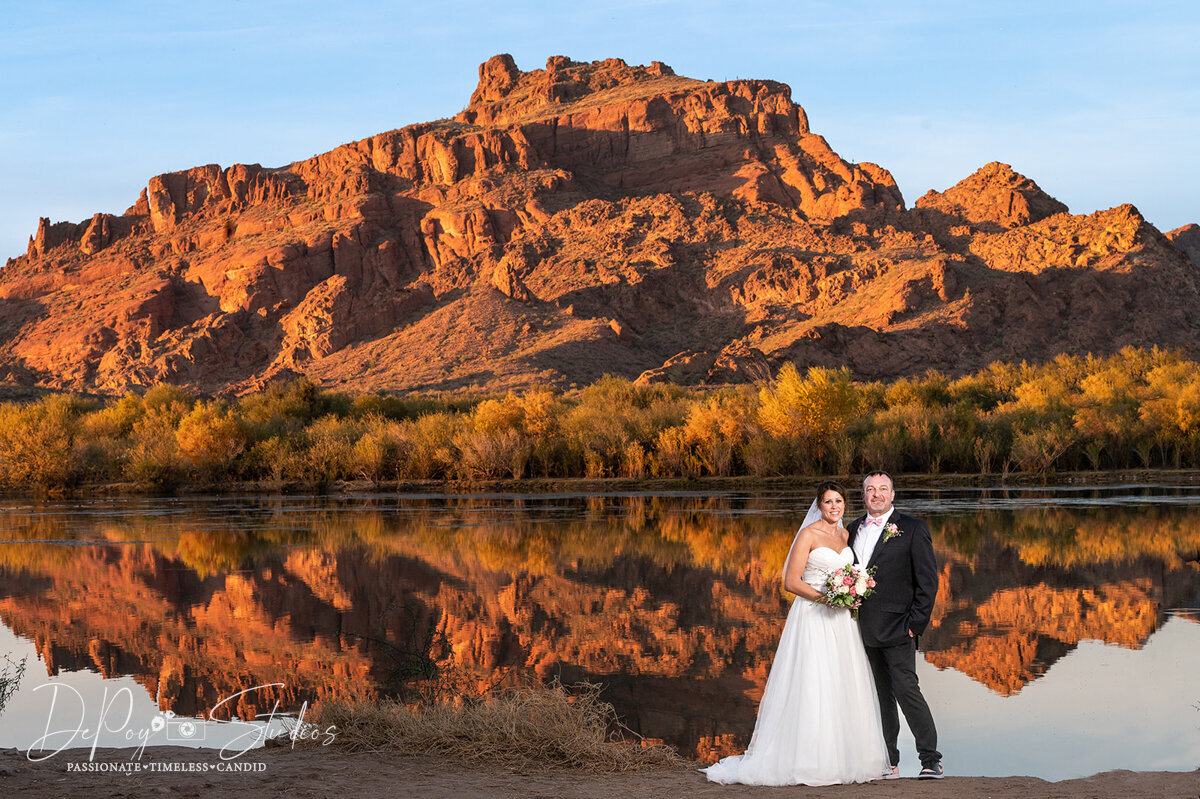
column 180, row 730
column 185, row 730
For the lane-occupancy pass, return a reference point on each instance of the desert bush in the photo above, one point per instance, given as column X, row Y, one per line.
column 1170, row 410
column 883, row 448
column 392, row 407
column 1038, row 450
column 211, row 439
column 106, row 434
column 286, row 408
column 492, row 440
column 433, row 454
column 930, row 390
column 498, row 413
column 277, row 459
column 595, row 467
column 664, row 406
column 843, row 451
column 598, row 428
column 327, row 450
column 611, row 413
column 542, row 410
column 979, row 391
column 115, row 420
column 672, row 454
column 984, row 451
column 1003, row 378
column 957, row 427
column 765, row 455
column 919, row 437
column 810, row 410
column 1042, row 400
column 38, row 442
column 382, row 449
column 912, row 426
column 527, row 729
column 718, row 427
column 154, row 458
column 633, row 461
column 490, row 454
column 170, row 403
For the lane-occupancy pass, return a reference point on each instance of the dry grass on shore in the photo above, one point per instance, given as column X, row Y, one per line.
column 527, row 729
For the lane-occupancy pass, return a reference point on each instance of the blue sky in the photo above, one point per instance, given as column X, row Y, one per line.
column 1099, row 102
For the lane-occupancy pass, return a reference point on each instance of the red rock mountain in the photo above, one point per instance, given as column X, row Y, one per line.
column 576, row 220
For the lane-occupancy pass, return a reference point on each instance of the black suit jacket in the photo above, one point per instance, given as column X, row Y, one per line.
column 906, row 583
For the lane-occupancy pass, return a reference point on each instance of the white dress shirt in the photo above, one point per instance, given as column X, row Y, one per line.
column 865, row 541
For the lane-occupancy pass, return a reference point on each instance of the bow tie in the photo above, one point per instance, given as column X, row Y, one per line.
column 870, row 522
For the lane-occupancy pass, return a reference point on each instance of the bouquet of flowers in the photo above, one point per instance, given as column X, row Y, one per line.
column 848, row 586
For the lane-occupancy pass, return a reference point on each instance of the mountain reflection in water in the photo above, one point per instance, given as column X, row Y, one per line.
column 671, row 601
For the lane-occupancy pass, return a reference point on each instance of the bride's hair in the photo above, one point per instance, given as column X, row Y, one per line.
column 829, row 485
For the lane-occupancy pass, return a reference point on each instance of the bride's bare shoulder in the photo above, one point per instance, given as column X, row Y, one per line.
column 807, row 539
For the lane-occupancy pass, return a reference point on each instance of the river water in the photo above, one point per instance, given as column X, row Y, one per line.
column 1064, row 641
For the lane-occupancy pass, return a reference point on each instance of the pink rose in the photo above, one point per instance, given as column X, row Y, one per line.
column 847, row 581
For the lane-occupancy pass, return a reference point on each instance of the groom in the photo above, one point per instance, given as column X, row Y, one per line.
column 891, row 619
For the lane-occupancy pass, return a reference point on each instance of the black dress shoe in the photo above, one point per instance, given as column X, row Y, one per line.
column 933, row 772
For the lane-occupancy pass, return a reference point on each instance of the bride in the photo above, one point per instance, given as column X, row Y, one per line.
column 818, row 721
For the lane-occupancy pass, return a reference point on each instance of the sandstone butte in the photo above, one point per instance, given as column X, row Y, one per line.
column 577, row 220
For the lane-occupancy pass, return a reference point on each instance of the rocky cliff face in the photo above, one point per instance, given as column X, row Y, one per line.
column 576, row 220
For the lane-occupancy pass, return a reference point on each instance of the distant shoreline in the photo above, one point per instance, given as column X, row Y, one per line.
column 585, row 485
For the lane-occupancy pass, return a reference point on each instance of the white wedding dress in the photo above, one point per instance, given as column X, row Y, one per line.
column 818, row 721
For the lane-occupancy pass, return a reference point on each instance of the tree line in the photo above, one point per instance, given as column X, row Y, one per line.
column 1137, row 409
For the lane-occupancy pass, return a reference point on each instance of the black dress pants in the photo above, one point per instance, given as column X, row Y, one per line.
column 895, row 672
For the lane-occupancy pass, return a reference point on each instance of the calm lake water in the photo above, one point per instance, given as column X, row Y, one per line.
column 1064, row 642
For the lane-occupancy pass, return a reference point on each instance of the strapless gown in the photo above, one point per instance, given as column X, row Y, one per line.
column 818, row 721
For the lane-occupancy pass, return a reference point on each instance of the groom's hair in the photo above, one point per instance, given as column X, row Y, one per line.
column 879, row 473
column 829, row 485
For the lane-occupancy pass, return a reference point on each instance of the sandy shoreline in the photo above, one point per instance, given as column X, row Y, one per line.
column 325, row 772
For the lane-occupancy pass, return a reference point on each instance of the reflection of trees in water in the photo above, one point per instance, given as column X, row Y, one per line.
column 671, row 601
column 1071, row 538
column 517, row 536
column 544, row 535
